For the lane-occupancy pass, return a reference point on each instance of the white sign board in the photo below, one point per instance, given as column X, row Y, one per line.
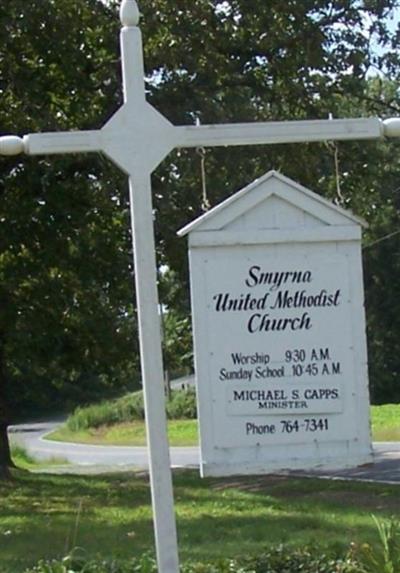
column 279, row 332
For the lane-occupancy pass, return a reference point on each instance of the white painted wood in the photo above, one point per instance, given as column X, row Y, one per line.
column 360, row 343
column 137, row 135
column 260, row 133
column 11, row 145
column 63, row 142
column 262, row 216
column 129, row 14
column 391, row 127
column 321, row 234
column 152, row 373
column 251, row 197
column 279, row 132
column 310, row 221
column 354, row 454
column 249, row 392
column 132, row 62
column 204, row 400
column 139, row 171
column 285, row 212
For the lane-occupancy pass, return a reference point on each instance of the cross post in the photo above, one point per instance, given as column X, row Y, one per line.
column 136, row 139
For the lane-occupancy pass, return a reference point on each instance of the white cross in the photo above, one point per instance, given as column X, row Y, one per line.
column 137, row 138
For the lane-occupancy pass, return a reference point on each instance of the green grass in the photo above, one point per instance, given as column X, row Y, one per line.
column 386, row 423
column 110, row 515
column 24, row 460
column 180, row 432
column 21, row 457
column 385, row 427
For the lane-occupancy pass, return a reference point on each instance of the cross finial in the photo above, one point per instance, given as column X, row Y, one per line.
column 129, row 13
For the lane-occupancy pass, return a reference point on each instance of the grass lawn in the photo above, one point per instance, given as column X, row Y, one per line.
column 109, row 516
column 180, row 432
column 22, row 459
column 386, row 423
column 385, row 428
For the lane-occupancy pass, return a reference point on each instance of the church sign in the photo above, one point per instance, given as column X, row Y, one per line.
column 279, row 332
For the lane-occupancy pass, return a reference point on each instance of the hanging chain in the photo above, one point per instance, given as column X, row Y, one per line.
column 201, row 152
column 333, row 146
column 205, row 203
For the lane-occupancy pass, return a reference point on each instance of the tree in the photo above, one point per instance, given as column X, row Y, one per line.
column 237, row 61
column 67, row 326
column 65, row 250
column 177, row 339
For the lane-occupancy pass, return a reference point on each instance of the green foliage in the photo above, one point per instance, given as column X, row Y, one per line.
column 386, row 422
column 129, row 407
column 386, row 557
column 293, row 60
column 307, row 560
column 68, row 324
column 182, row 405
column 76, row 562
column 176, row 323
column 20, row 456
column 67, row 327
column 278, row 560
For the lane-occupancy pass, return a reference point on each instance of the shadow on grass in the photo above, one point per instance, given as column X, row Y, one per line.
column 110, row 515
column 252, row 512
column 45, row 516
column 248, row 535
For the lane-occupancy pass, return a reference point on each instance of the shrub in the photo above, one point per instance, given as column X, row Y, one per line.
column 284, row 560
column 277, row 560
column 182, row 405
column 75, row 562
column 386, row 557
column 92, row 416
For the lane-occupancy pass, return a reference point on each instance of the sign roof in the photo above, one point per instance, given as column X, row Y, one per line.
column 271, row 184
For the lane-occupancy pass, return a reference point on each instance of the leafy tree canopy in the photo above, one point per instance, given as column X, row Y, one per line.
column 67, row 325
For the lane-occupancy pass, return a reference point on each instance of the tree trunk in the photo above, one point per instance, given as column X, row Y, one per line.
column 5, row 454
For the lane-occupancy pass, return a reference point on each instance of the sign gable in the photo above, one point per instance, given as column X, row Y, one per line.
column 274, row 212
column 269, row 202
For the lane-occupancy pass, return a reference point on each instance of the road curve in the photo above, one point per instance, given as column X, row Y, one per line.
column 32, row 436
column 386, row 466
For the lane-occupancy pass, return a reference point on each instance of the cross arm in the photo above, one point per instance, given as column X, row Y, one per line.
column 52, row 143
column 62, row 142
column 286, row 132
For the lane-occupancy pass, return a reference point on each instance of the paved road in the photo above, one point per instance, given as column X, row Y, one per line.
column 385, row 469
column 32, row 436
column 386, row 466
